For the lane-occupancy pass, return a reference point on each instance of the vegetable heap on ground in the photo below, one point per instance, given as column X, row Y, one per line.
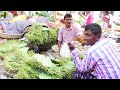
column 25, row 64
column 42, row 37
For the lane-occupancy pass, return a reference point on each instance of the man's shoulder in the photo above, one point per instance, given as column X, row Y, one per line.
column 98, row 45
column 62, row 27
column 76, row 26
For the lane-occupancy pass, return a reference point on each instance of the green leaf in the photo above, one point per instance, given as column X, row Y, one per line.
column 46, row 62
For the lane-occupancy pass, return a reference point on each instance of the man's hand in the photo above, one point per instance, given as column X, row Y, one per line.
column 74, row 38
column 71, row 46
column 59, row 45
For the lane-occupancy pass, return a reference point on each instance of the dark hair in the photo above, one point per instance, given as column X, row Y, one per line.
column 94, row 27
column 68, row 16
column 107, row 12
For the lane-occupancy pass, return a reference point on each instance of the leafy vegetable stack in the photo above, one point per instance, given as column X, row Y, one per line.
column 42, row 37
column 25, row 64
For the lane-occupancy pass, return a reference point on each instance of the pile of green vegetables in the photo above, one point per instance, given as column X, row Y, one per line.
column 42, row 37
column 42, row 13
column 4, row 14
column 25, row 64
column 81, row 21
column 99, row 21
column 45, row 14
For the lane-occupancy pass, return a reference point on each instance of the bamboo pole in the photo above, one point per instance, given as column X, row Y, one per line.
column 54, row 15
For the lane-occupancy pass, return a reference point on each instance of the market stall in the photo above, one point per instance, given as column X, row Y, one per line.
column 28, row 51
column 29, row 58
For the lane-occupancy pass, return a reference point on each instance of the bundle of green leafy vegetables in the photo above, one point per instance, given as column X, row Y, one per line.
column 25, row 64
column 4, row 14
column 43, row 37
column 99, row 21
column 81, row 20
column 45, row 14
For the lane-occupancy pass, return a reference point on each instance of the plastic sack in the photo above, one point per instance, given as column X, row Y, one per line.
column 65, row 51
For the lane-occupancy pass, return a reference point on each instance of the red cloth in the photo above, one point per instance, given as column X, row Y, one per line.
column 62, row 20
column 52, row 25
column 14, row 12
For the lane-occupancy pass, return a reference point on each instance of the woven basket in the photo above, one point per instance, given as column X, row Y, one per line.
column 10, row 36
column 27, row 29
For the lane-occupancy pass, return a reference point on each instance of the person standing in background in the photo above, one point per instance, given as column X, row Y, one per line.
column 88, row 18
column 107, row 19
column 96, row 15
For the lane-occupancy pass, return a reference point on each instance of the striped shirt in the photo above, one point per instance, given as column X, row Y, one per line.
column 103, row 57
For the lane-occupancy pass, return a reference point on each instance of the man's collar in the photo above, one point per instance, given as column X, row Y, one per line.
column 69, row 28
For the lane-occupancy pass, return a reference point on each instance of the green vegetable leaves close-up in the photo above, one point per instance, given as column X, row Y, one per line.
column 22, row 63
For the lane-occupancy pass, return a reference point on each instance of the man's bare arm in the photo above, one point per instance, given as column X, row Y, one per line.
column 59, row 44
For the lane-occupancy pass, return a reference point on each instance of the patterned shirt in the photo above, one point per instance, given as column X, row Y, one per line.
column 102, row 57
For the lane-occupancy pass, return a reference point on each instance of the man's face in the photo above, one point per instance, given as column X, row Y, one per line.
column 68, row 21
column 105, row 13
column 87, row 12
column 90, row 38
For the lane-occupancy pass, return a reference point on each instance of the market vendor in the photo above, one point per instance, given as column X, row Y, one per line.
column 68, row 32
column 102, row 59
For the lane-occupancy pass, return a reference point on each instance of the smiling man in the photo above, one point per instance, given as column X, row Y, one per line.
column 102, row 59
